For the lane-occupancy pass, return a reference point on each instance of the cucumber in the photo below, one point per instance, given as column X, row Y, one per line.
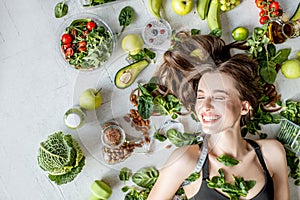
column 296, row 14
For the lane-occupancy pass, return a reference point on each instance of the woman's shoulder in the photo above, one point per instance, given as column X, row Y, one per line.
column 273, row 152
column 270, row 146
column 184, row 158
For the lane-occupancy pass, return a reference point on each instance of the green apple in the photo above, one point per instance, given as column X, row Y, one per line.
column 291, row 68
column 182, row 7
column 132, row 43
column 90, row 99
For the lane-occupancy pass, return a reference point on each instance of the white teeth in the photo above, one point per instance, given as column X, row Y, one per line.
column 210, row 118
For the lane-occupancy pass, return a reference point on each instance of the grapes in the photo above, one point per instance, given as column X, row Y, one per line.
column 227, row 5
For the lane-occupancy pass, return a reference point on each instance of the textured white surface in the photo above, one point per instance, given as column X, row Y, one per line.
column 36, row 90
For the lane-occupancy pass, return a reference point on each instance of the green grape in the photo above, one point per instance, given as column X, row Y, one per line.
column 223, row 7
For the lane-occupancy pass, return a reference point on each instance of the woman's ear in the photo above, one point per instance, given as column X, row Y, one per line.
column 245, row 107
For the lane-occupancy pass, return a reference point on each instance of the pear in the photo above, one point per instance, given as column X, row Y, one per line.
column 291, row 68
column 90, row 99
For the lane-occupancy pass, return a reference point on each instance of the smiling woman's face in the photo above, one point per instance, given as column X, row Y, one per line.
column 218, row 104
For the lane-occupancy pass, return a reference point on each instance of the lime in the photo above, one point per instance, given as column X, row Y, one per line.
column 291, row 68
column 240, row 33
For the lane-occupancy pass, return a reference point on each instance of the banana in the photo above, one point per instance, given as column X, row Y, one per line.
column 154, row 7
column 213, row 15
column 202, row 8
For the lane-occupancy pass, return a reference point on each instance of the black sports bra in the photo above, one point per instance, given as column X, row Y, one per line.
column 267, row 192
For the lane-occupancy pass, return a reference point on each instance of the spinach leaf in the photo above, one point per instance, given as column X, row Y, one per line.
column 216, row 32
column 145, row 177
column 126, row 16
column 195, row 31
column 60, row 9
column 193, row 177
column 181, row 139
column 281, row 56
column 143, row 54
column 145, row 106
column 124, row 174
column 267, row 72
column 227, row 160
column 271, row 49
column 159, row 136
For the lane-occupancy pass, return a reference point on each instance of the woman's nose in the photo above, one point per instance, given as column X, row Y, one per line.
column 207, row 104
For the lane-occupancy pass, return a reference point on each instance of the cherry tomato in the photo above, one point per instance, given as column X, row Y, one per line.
column 66, row 38
column 275, row 13
column 90, row 25
column 263, row 20
column 65, row 46
column 263, row 13
column 69, row 52
column 82, row 49
column 274, row 6
column 82, row 43
column 260, row 3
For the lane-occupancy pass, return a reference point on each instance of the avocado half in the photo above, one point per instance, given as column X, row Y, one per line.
column 126, row 75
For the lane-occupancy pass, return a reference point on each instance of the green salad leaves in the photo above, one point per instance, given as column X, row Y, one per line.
column 150, row 101
column 61, row 157
column 234, row 191
column 144, row 178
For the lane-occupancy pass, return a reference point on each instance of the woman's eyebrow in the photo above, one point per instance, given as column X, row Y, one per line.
column 214, row 91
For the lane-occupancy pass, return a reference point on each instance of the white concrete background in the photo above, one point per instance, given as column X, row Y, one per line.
column 36, row 90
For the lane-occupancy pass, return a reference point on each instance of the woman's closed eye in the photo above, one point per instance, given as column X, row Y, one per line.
column 200, row 97
column 219, row 98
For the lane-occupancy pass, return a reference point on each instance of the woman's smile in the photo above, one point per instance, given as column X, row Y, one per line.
column 209, row 118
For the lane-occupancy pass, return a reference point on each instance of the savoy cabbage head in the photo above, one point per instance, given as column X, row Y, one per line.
column 61, row 157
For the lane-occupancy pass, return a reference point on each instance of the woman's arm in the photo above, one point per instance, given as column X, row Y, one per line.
column 180, row 164
column 274, row 154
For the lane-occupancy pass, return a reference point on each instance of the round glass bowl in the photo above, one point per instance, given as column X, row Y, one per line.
column 156, row 32
column 85, row 42
column 113, row 136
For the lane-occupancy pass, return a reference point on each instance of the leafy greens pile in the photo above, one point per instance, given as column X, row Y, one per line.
column 149, row 101
column 144, row 178
column 234, row 191
column 61, row 157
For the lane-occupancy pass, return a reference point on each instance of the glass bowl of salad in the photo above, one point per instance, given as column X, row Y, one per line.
column 86, row 42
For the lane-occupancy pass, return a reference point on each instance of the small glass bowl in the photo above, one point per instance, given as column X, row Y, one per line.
column 74, row 118
column 156, row 32
column 113, row 136
column 97, row 51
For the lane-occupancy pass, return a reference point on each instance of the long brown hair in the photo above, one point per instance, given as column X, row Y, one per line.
column 192, row 56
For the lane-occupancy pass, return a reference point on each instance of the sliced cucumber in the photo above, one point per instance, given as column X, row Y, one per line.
column 296, row 14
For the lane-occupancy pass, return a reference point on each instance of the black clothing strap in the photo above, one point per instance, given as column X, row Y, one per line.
column 266, row 193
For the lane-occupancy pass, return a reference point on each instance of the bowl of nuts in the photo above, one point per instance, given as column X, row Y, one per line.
column 113, row 136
